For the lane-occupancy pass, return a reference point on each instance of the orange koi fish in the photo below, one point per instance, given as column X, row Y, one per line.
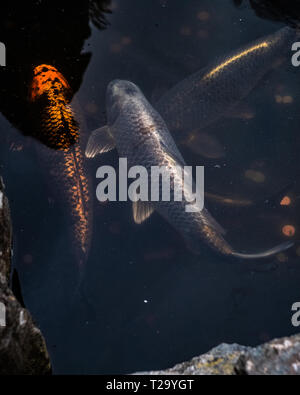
column 61, row 154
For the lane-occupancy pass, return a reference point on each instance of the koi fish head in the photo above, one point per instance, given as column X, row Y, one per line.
column 54, row 119
column 47, row 78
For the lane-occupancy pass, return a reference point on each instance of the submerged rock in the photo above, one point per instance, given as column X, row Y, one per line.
column 280, row 10
column 22, row 346
column 278, row 357
column 5, row 236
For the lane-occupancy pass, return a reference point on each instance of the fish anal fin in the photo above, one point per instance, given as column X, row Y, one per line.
column 141, row 211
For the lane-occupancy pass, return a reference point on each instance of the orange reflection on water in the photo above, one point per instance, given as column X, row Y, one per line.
column 289, row 230
column 286, row 201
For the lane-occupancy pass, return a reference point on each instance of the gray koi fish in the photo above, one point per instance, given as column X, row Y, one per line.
column 212, row 92
column 140, row 134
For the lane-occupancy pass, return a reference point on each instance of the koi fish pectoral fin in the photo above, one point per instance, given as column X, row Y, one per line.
column 141, row 211
column 100, row 141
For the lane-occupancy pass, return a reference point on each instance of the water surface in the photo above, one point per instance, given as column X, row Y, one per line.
column 153, row 303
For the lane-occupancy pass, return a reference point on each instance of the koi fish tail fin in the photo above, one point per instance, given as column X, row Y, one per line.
column 265, row 254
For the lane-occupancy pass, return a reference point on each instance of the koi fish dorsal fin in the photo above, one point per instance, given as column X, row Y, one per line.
column 100, row 141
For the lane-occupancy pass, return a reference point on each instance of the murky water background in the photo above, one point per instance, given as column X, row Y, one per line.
column 152, row 303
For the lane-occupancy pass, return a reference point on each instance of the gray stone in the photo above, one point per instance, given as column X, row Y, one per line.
column 22, row 347
column 278, row 357
column 5, row 236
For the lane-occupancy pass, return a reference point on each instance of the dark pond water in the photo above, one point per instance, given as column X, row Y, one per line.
column 151, row 303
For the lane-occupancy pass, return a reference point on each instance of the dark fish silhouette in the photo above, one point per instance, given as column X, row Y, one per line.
column 209, row 94
column 287, row 12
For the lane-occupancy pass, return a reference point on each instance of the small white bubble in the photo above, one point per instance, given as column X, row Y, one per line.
column 145, row 301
